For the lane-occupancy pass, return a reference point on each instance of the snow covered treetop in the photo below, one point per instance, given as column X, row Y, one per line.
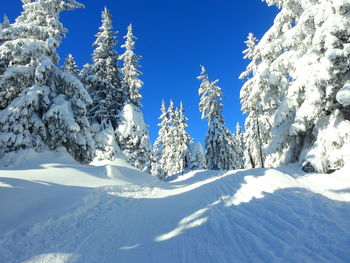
column 278, row 3
column 130, row 43
column 250, row 42
column 62, row 4
column 55, row 6
column 131, row 82
column 210, row 103
column 71, row 5
column 106, row 35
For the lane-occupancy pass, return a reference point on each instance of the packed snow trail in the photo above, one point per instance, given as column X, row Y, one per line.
column 260, row 215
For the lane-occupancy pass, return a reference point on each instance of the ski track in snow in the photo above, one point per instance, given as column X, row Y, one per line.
column 260, row 215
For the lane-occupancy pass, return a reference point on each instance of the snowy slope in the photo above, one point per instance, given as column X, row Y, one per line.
column 55, row 210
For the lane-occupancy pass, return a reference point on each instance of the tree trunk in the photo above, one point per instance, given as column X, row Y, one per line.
column 260, row 144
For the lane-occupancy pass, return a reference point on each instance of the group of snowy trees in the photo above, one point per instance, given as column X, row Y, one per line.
column 93, row 113
column 297, row 93
column 171, row 153
column 115, row 115
column 223, row 150
column 41, row 105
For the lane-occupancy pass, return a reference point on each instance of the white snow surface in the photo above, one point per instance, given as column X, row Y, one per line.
column 343, row 95
column 56, row 210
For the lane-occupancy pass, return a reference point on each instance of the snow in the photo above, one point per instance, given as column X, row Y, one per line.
column 132, row 136
column 343, row 95
column 57, row 210
column 131, row 117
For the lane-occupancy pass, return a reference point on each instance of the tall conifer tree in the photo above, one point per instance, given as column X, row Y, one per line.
column 71, row 66
column 132, row 132
column 130, row 82
column 103, row 81
column 218, row 141
column 157, row 165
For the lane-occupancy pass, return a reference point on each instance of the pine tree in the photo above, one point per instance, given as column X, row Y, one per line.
column 3, row 25
column 131, row 83
column 103, row 81
column 218, row 141
column 184, row 140
column 70, row 66
column 239, row 147
column 302, row 64
column 259, row 98
column 171, row 152
column 132, row 136
column 157, row 165
column 132, row 132
column 168, row 162
column 176, row 152
column 106, row 147
column 197, row 161
column 42, row 106
column 6, row 22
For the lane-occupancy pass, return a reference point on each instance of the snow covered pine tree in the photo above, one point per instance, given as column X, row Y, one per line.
column 219, row 150
column 259, row 100
column 41, row 106
column 184, row 139
column 71, row 66
column 239, row 147
column 176, row 151
column 132, row 132
column 103, row 82
column 171, row 152
column 197, row 157
column 157, row 160
column 303, row 65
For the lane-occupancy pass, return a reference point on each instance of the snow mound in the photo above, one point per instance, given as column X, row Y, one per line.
column 30, row 157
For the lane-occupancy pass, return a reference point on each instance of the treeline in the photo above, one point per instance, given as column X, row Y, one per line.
column 296, row 95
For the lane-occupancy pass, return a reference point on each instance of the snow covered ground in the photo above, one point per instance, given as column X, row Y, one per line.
column 55, row 210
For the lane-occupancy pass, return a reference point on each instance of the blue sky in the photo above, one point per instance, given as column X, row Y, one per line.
column 174, row 38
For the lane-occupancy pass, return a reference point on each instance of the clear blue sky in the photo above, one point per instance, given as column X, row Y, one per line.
column 174, row 38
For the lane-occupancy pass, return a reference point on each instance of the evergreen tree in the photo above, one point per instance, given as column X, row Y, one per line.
column 197, row 161
column 168, row 166
column 157, row 165
column 70, row 66
column 6, row 22
column 259, row 98
column 132, row 132
column 218, row 141
column 103, row 81
column 131, row 83
column 176, row 152
column 171, row 153
column 132, row 136
column 42, row 106
column 106, row 147
column 184, row 139
column 3, row 25
column 239, row 147
column 302, row 64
